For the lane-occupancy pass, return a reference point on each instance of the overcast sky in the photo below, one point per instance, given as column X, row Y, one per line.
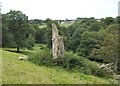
column 62, row 9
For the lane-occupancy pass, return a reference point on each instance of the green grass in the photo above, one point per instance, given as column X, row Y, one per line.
column 66, row 25
column 25, row 72
column 42, row 26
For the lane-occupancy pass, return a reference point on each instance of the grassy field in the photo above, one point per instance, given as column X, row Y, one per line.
column 42, row 26
column 15, row 71
column 66, row 25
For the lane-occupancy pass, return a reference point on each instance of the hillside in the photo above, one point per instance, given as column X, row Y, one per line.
column 25, row 72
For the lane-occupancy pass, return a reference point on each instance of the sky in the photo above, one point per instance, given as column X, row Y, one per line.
column 62, row 9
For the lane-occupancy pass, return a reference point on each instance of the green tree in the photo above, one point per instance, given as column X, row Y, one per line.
column 48, row 22
column 108, row 20
column 41, row 35
column 87, row 43
column 66, row 36
column 108, row 51
column 49, row 38
column 18, row 25
column 96, row 26
column 117, row 20
column 30, row 42
column 76, row 38
column 7, row 36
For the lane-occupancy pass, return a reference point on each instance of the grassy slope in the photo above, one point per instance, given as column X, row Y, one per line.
column 25, row 72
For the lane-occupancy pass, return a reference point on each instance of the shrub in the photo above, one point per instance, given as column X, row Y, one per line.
column 70, row 61
column 42, row 57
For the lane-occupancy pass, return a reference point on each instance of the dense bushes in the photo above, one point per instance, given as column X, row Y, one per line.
column 70, row 62
column 42, row 57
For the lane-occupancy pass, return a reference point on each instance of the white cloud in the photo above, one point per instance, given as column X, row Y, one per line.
column 61, row 9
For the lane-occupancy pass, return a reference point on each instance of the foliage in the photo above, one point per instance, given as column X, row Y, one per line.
column 108, row 20
column 97, row 25
column 49, row 22
column 108, row 50
column 36, row 22
column 16, row 25
column 30, row 42
column 75, row 39
column 117, row 20
column 70, row 62
column 42, row 57
column 88, row 40
column 41, row 35
column 7, row 38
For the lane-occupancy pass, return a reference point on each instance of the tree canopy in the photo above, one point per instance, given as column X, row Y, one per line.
column 17, row 28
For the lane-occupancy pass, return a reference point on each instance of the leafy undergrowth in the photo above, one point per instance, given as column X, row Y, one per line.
column 15, row 71
column 70, row 62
